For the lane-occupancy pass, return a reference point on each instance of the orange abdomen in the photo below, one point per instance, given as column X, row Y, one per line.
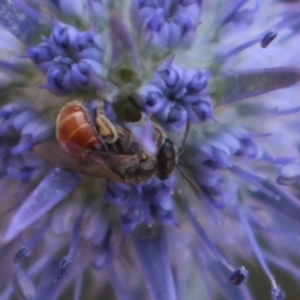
column 74, row 127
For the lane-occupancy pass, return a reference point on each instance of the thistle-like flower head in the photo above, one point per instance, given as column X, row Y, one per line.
column 149, row 149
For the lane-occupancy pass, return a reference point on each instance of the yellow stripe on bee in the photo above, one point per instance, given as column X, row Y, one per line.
column 92, row 140
column 73, row 115
column 78, row 129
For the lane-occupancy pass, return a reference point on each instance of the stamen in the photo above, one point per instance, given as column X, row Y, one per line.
column 239, row 276
column 268, row 38
column 208, row 242
column 26, row 250
column 102, row 251
column 254, row 180
column 23, row 253
column 269, row 35
column 65, row 261
column 78, row 286
column 284, row 112
column 276, row 291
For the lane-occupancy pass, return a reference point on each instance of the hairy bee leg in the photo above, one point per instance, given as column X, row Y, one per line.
column 113, row 134
column 126, row 138
column 107, row 130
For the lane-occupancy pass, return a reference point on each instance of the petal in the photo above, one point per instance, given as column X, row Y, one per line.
column 246, row 84
column 22, row 21
column 151, row 246
column 51, row 190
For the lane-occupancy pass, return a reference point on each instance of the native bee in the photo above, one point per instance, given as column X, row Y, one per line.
column 98, row 147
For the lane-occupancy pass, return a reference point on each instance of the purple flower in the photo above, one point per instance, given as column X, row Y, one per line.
column 191, row 188
column 176, row 96
column 21, row 129
column 148, row 203
column 165, row 25
column 71, row 59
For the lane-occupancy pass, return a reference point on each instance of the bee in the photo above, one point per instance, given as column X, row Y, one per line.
column 98, row 147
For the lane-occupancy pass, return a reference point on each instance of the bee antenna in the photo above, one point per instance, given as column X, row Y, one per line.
column 185, row 136
column 192, row 182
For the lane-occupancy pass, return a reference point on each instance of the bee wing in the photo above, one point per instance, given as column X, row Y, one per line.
column 115, row 160
column 82, row 162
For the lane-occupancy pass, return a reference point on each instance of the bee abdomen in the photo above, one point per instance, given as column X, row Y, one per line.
column 74, row 126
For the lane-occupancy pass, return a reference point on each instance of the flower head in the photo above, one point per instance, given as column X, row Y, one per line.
column 69, row 58
column 175, row 172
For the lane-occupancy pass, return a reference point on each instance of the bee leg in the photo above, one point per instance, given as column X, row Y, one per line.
column 107, row 130
column 125, row 137
column 103, row 143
